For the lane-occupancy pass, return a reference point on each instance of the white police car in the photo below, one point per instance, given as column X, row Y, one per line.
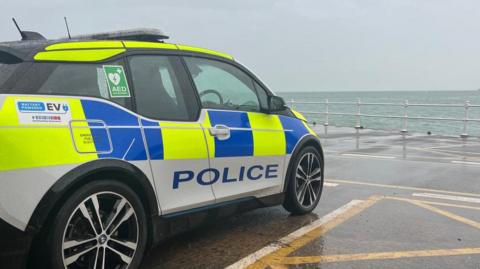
column 111, row 143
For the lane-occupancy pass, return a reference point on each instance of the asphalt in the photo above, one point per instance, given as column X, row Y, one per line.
column 391, row 201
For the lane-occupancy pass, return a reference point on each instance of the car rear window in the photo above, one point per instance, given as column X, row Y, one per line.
column 73, row 79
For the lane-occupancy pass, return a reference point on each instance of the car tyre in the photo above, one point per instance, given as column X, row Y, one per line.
column 305, row 182
column 101, row 225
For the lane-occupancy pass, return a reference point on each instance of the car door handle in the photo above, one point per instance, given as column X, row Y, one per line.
column 221, row 132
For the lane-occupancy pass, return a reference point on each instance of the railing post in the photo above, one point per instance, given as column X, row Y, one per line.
column 357, row 124
column 326, row 113
column 405, row 118
column 465, row 121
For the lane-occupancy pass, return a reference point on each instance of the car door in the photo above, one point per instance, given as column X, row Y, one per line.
column 174, row 138
column 246, row 145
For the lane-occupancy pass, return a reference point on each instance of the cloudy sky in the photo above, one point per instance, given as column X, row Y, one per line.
column 296, row 45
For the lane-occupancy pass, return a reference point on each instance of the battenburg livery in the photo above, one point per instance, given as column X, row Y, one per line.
column 111, row 143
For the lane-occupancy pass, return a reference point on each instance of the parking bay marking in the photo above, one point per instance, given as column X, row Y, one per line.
column 447, row 214
column 276, row 253
column 368, row 156
column 464, row 162
column 394, row 254
column 436, row 203
column 311, row 231
column 380, row 256
column 448, row 197
column 401, row 187
column 278, row 258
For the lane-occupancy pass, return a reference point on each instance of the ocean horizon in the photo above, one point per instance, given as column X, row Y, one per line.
column 393, row 96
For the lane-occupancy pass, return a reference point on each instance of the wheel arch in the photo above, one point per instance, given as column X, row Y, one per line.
column 307, row 140
column 105, row 168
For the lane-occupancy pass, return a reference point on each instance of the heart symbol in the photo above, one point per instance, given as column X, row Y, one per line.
column 114, row 78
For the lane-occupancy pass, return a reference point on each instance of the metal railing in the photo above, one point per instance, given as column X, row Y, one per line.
column 405, row 117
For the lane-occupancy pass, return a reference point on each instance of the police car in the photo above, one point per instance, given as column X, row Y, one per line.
column 111, row 143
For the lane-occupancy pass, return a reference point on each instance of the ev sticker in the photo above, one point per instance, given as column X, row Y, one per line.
column 43, row 112
column 116, row 80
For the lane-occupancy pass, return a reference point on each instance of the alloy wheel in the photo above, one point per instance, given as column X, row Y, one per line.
column 102, row 232
column 308, row 180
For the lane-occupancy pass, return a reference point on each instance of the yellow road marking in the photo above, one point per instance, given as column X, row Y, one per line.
column 400, row 187
column 395, row 254
column 447, row 214
column 279, row 259
column 433, row 203
column 286, row 240
column 379, row 256
column 276, row 257
column 278, row 266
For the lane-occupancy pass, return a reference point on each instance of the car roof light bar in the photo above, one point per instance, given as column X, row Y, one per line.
column 140, row 34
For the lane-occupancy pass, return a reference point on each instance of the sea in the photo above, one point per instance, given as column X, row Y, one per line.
column 413, row 97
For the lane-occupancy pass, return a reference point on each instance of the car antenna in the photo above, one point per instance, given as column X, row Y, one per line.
column 28, row 35
column 18, row 27
column 68, row 29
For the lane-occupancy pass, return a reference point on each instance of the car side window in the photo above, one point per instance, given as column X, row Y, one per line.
column 222, row 86
column 75, row 79
column 161, row 86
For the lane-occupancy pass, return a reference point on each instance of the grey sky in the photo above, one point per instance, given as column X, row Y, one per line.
column 296, row 45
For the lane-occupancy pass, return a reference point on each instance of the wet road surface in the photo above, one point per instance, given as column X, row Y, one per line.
column 390, row 201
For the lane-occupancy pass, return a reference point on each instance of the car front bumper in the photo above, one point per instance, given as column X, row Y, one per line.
column 14, row 246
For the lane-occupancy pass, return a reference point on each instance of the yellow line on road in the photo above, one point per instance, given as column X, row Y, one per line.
column 434, row 203
column 379, row 256
column 278, row 266
column 400, row 187
column 447, row 214
column 277, row 256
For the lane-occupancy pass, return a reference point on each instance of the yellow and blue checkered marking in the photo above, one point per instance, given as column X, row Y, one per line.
column 294, row 131
column 30, row 146
column 252, row 134
column 124, row 131
column 153, row 137
column 240, row 142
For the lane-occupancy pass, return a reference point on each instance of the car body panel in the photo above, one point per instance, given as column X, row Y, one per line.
column 247, row 147
column 54, row 148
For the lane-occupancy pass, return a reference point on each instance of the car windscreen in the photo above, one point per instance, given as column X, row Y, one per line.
column 6, row 71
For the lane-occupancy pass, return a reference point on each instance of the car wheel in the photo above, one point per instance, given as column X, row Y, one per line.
column 305, row 183
column 101, row 225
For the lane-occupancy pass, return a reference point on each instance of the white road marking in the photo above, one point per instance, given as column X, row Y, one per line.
column 455, row 146
column 252, row 258
column 410, row 188
column 329, row 184
column 456, row 151
column 368, row 156
column 462, row 162
column 448, row 197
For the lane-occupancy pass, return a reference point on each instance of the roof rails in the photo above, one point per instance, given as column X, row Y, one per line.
column 139, row 34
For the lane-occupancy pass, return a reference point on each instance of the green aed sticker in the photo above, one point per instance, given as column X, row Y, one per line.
column 116, row 80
